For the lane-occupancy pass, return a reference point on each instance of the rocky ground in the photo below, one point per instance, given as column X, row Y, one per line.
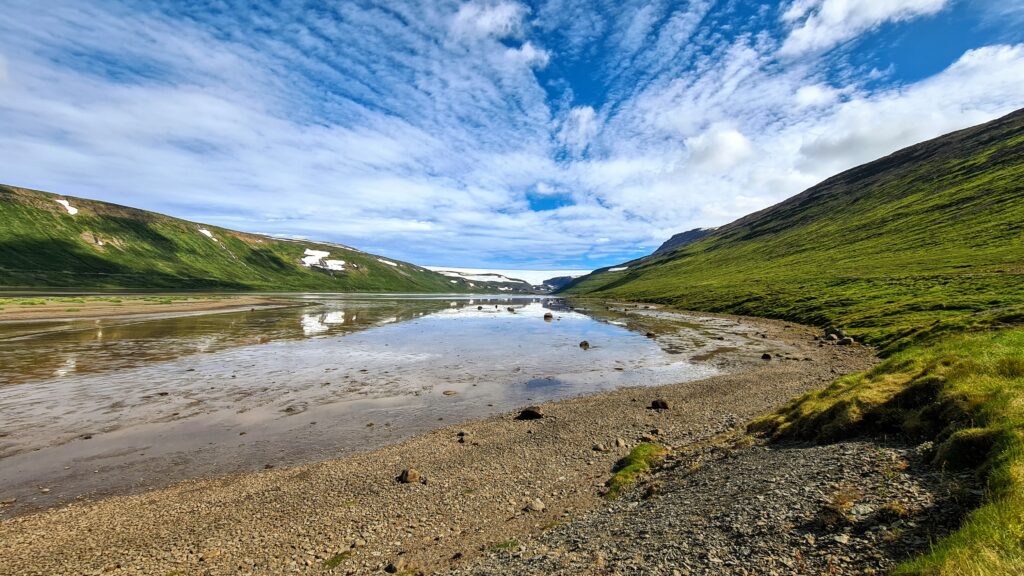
column 849, row 508
column 500, row 482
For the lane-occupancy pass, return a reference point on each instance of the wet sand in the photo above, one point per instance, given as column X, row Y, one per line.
column 351, row 516
column 14, row 309
column 111, row 408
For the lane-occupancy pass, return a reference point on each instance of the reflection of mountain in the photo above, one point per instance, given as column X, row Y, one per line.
column 99, row 346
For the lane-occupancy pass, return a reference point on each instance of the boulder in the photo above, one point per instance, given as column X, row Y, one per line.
column 585, row 345
column 844, row 341
column 659, row 404
column 651, row 335
column 535, row 505
column 410, row 476
column 530, row 413
column 766, row 356
column 620, row 443
column 549, row 316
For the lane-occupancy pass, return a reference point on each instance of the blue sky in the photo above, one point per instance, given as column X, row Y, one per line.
column 488, row 134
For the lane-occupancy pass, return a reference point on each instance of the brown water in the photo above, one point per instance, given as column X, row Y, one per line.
column 100, row 407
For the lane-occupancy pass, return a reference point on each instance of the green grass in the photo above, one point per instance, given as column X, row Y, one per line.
column 110, row 246
column 965, row 393
column 639, row 461
column 922, row 255
column 336, row 560
column 506, row 546
column 893, row 251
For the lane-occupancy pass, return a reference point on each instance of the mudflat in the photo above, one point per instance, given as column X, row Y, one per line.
column 484, row 486
column 34, row 309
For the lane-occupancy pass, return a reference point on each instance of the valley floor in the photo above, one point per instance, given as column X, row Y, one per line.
column 477, row 512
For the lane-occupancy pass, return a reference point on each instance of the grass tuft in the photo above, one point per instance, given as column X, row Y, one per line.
column 639, row 461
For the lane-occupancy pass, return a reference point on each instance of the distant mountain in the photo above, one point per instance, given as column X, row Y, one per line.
column 48, row 240
column 682, row 239
column 558, row 282
column 490, row 281
column 929, row 236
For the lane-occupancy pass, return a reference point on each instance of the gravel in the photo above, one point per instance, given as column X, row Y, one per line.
column 352, row 515
column 854, row 507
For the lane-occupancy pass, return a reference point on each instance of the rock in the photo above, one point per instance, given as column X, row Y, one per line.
column 832, row 337
column 585, row 345
column 530, row 413
column 648, row 438
column 842, row 538
column 844, row 341
column 651, row 335
column 396, row 566
column 600, row 447
column 479, row 307
column 659, row 404
column 766, row 356
column 449, row 392
column 536, row 505
column 410, row 476
column 549, row 316
column 620, row 443
column 656, row 432
column 511, row 309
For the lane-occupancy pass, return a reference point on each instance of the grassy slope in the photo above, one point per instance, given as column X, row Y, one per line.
column 922, row 254
column 41, row 245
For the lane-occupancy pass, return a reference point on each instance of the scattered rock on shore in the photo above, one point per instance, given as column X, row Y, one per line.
column 659, row 404
column 410, row 476
column 530, row 413
column 585, row 345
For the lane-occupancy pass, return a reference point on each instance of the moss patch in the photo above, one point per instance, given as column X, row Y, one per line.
column 640, row 460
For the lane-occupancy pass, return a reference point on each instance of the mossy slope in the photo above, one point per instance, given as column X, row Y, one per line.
column 109, row 246
column 922, row 254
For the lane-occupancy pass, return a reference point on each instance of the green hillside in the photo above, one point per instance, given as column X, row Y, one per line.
column 105, row 245
column 929, row 238
column 921, row 254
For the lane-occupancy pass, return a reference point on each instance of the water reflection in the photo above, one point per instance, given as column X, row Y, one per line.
column 97, row 406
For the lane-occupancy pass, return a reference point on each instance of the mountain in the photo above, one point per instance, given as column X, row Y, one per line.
column 920, row 253
column 492, row 281
column 926, row 239
column 47, row 240
column 557, row 283
column 682, row 239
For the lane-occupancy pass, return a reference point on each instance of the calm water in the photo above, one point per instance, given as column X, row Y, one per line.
column 110, row 406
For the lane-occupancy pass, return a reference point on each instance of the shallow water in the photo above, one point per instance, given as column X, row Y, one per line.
column 112, row 406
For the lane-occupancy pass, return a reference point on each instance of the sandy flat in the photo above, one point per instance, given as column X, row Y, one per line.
column 125, row 306
column 351, row 516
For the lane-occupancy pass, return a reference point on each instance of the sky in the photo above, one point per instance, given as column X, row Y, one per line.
column 498, row 134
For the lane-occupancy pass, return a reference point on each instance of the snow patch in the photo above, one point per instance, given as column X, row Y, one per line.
column 318, row 259
column 388, row 262
column 618, row 269
column 208, row 234
column 67, row 206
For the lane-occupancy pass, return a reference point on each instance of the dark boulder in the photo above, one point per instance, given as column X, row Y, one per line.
column 530, row 413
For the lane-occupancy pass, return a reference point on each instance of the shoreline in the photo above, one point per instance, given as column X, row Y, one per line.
column 121, row 307
column 351, row 513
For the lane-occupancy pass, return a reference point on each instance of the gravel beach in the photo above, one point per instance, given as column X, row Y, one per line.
column 483, row 490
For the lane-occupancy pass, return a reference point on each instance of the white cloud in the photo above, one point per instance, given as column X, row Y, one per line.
column 719, row 148
column 419, row 143
column 497, row 20
column 822, row 24
column 578, row 128
column 530, row 55
column 815, row 95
